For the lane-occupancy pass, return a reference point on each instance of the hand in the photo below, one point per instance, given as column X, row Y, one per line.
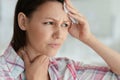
column 80, row 30
column 38, row 69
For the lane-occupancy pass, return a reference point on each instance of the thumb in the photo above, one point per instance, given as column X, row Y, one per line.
column 26, row 59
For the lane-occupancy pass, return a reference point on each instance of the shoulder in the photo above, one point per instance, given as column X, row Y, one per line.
column 3, row 67
column 63, row 60
column 3, row 62
column 77, row 64
column 11, row 65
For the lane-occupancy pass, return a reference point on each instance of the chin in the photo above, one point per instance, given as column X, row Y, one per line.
column 52, row 54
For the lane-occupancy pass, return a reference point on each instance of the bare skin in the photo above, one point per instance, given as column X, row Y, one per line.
column 40, row 62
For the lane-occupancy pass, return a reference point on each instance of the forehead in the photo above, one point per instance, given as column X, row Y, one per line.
column 51, row 9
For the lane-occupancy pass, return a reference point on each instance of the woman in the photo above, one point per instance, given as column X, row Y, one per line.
column 40, row 28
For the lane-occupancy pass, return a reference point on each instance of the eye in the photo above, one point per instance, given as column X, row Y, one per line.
column 65, row 25
column 49, row 23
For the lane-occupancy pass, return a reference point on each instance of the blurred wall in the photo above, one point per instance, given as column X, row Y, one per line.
column 6, row 22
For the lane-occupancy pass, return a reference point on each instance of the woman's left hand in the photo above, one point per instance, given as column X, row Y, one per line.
column 79, row 30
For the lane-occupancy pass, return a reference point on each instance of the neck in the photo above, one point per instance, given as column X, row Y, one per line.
column 31, row 52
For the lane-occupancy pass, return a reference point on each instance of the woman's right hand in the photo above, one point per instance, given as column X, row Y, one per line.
column 79, row 30
column 38, row 69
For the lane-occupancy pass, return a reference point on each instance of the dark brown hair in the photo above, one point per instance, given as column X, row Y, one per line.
column 27, row 7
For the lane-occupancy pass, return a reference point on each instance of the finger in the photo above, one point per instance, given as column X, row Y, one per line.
column 25, row 58
column 41, row 59
column 69, row 4
column 72, row 10
column 81, row 20
column 46, row 62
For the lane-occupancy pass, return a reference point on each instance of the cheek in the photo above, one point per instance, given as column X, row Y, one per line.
column 37, row 34
column 65, row 33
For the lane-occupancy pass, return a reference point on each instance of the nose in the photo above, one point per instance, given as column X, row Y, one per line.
column 58, row 32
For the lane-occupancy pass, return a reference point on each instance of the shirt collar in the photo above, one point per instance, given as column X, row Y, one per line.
column 14, row 63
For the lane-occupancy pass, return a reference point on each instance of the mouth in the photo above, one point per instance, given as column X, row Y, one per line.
column 54, row 45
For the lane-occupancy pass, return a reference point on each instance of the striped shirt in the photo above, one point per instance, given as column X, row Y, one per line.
column 12, row 68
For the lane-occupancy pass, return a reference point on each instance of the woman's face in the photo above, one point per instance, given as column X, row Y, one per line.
column 47, row 28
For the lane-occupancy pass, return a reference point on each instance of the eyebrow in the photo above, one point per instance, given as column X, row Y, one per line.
column 56, row 19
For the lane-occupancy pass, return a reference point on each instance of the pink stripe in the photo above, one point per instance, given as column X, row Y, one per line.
column 104, row 69
column 72, row 72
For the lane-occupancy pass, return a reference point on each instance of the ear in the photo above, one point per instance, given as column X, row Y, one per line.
column 22, row 21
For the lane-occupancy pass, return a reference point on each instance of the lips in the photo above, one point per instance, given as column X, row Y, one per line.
column 54, row 45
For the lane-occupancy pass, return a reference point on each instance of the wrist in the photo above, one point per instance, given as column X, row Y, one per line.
column 89, row 39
